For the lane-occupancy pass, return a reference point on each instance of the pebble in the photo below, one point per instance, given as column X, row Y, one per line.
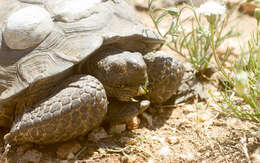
column 256, row 133
column 127, row 141
column 128, row 159
column 102, row 151
column 188, row 157
column 205, row 116
column 201, row 116
column 165, row 151
column 150, row 161
column 251, row 140
column 188, row 109
column 235, row 123
column 219, row 123
column 256, row 155
column 68, row 149
column 97, row 134
column 159, row 139
column 117, row 128
column 173, row 140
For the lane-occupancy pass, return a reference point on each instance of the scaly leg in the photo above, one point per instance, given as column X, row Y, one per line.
column 76, row 109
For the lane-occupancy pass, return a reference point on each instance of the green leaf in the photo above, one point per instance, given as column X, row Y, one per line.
column 173, row 11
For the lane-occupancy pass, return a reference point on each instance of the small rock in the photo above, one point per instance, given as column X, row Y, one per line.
column 188, row 109
column 97, row 134
column 128, row 159
column 148, row 118
column 159, row 139
column 173, row 140
column 102, row 151
column 164, row 151
column 251, row 140
column 235, row 123
column 127, row 141
column 200, row 116
column 132, row 159
column 205, row 116
column 66, row 150
column 256, row 155
column 192, row 116
column 207, row 154
column 219, row 123
column 134, row 123
column 117, row 128
column 150, row 161
column 256, row 133
column 243, row 140
column 32, row 156
column 124, row 140
column 188, row 157
column 228, row 156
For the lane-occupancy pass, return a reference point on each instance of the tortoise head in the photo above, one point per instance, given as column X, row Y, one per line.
column 123, row 74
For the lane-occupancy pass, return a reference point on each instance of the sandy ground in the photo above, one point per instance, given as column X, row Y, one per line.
column 188, row 132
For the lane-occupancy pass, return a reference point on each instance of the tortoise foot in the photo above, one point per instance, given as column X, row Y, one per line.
column 73, row 111
column 165, row 73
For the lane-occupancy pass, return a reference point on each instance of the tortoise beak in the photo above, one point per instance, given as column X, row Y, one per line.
column 141, row 91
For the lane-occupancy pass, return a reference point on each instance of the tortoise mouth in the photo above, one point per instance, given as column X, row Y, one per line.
column 127, row 92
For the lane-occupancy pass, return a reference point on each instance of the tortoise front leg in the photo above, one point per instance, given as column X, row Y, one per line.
column 165, row 74
column 73, row 111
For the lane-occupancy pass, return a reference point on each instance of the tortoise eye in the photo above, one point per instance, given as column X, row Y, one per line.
column 27, row 27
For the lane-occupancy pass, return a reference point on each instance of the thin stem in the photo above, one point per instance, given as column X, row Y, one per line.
column 219, row 65
column 155, row 23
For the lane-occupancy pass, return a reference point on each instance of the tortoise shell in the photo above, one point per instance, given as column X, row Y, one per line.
column 72, row 31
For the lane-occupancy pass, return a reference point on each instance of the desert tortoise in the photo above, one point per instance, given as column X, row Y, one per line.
column 60, row 59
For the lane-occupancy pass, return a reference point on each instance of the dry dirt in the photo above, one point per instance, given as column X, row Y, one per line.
column 188, row 132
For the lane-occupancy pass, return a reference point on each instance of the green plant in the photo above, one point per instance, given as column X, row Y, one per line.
column 243, row 100
column 195, row 45
column 241, row 97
